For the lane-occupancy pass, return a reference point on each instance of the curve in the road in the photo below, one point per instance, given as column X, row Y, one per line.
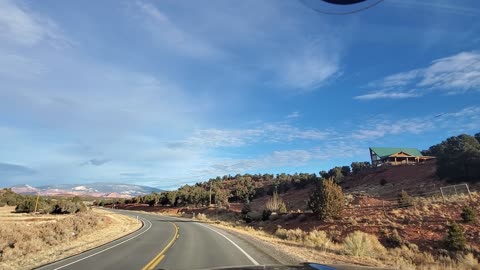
column 155, row 261
column 186, row 245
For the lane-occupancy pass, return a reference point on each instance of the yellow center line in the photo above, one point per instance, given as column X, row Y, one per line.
column 155, row 261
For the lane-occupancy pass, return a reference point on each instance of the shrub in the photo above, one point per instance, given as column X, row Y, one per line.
column 9, row 197
column 281, row 233
column 201, row 216
column 468, row 261
column 27, row 205
column 68, row 207
column 394, row 240
column 362, row 244
column 296, row 235
column 275, row 204
column 246, row 209
column 317, row 238
column 327, row 200
column 455, row 240
column 468, row 215
column 266, row 214
column 282, row 208
column 255, row 215
column 2, row 204
column 404, row 199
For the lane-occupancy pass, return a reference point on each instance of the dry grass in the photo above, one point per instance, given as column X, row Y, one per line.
column 362, row 244
column 315, row 246
column 28, row 241
column 200, row 216
column 357, row 248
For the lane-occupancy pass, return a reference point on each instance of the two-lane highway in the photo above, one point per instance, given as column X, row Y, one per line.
column 168, row 243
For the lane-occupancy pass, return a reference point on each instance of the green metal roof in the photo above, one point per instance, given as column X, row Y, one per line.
column 387, row 151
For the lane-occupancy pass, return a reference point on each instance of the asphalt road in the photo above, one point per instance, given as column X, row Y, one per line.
column 168, row 243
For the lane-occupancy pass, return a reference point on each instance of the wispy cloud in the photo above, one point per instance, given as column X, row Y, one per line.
column 293, row 115
column 456, row 74
column 168, row 33
column 464, row 119
column 10, row 170
column 311, row 66
column 388, row 95
column 21, row 26
column 279, row 159
column 265, row 132
column 303, row 65
column 96, row 162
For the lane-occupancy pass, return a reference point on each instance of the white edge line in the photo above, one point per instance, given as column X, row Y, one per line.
column 233, row 243
column 103, row 250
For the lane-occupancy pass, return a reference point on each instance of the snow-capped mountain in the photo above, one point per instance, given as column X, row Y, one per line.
column 25, row 189
column 91, row 189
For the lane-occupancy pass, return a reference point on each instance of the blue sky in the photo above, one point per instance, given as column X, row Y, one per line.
column 163, row 93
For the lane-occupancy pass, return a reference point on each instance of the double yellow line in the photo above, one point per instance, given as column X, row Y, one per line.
column 155, row 261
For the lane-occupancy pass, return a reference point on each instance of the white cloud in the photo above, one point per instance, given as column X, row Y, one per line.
column 275, row 159
column 276, row 132
column 21, row 26
column 168, row 33
column 380, row 128
column 266, row 132
column 387, row 95
column 294, row 114
column 310, row 66
column 399, row 79
column 456, row 74
column 465, row 119
column 299, row 65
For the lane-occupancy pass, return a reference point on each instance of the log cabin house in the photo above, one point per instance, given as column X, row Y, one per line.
column 396, row 156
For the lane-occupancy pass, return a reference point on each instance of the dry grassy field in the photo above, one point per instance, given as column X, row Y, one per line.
column 29, row 240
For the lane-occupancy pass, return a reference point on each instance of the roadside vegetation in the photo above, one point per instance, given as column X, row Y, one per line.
column 31, row 203
column 59, row 228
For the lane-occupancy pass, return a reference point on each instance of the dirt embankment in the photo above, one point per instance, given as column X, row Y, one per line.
column 28, row 241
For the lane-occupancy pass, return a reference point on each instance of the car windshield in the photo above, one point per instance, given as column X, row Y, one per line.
column 231, row 134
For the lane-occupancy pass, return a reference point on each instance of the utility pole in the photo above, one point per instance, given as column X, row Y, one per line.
column 210, row 195
column 36, row 203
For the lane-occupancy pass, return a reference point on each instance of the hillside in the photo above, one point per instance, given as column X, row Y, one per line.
column 382, row 183
column 388, row 181
column 108, row 190
column 372, row 207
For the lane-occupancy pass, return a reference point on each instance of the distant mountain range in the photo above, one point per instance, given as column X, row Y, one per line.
column 105, row 190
